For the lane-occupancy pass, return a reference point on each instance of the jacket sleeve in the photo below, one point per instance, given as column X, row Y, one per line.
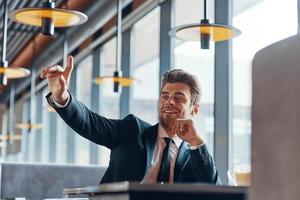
column 90, row 125
column 204, row 165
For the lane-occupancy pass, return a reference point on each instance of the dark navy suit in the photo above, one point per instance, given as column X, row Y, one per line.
column 132, row 141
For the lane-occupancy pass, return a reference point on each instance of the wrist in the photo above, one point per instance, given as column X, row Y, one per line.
column 62, row 98
column 196, row 141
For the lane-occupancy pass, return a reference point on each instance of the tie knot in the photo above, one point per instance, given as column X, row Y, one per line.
column 167, row 140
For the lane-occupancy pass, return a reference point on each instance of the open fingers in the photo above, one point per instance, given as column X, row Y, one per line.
column 54, row 74
column 56, row 69
column 69, row 67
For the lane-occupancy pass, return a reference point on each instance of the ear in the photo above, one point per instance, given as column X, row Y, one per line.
column 195, row 109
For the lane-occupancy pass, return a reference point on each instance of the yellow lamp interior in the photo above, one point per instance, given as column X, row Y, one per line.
column 10, row 137
column 123, row 81
column 29, row 126
column 61, row 18
column 14, row 72
column 217, row 33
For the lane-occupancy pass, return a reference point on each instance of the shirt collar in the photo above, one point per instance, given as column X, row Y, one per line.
column 162, row 134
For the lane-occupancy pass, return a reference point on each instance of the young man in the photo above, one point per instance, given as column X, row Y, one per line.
column 170, row 151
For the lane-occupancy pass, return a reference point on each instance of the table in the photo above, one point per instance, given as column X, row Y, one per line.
column 137, row 191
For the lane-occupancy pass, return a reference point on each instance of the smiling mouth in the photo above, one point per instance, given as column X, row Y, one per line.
column 169, row 112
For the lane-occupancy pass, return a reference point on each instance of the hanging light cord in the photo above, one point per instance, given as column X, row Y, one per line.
column 65, row 49
column 4, row 32
column 205, row 17
column 119, row 36
column 65, row 43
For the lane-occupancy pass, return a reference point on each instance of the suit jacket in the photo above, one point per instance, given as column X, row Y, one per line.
column 132, row 142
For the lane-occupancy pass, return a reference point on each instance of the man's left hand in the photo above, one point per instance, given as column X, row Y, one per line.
column 185, row 130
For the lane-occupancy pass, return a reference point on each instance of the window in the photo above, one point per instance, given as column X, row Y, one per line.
column 25, row 135
column 199, row 62
column 109, row 100
column 83, row 94
column 256, row 34
column 45, row 151
column 145, row 65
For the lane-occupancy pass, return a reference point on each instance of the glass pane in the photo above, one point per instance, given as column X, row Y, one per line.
column 189, row 57
column 256, row 34
column 25, row 135
column 45, row 151
column 109, row 100
column 146, row 66
column 61, row 142
column 83, row 94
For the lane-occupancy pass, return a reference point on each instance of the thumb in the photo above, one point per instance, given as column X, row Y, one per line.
column 69, row 67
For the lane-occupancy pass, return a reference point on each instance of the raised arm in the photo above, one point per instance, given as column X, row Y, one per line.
column 88, row 124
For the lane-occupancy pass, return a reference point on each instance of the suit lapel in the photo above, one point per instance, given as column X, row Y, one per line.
column 150, row 142
column 181, row 160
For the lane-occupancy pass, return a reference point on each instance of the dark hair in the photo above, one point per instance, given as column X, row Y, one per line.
column 180, row 76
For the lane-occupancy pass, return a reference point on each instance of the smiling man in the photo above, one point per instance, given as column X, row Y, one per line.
column 169, row 152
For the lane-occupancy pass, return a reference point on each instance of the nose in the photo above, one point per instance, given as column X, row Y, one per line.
column 171, row 101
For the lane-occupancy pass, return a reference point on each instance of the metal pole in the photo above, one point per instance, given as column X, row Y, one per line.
column 4, row 31
column 65, row 49
column 119, row 36
column 3, row 77
column 223, row 91
column 11, row 113
column 32, row 101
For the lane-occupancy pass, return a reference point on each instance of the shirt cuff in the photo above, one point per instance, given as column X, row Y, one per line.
column 196, row 147
column 58, row 105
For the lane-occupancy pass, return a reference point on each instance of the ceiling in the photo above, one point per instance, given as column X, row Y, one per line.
column 18, row 34
column 21, row 38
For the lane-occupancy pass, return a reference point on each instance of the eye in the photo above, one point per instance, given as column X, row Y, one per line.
column 179, row 98
column 164, row 96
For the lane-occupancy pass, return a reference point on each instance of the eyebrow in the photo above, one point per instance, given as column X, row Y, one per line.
column 176, row 93
column 179, row 93
column 163, row 92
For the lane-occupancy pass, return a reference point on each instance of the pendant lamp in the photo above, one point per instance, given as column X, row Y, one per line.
column 118, row 80
column 48, row 17
column 5, row 71
column 204, row 32
column 30, row 124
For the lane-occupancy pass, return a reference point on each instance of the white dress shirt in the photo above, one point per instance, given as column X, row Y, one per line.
column 153, row 169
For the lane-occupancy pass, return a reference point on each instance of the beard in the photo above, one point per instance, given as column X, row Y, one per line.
column 167, row 123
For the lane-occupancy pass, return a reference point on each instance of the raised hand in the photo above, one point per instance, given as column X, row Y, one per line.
column 185, row 130
column 58, row 80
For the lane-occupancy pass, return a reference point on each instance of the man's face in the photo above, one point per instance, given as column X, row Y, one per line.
column 175, row 102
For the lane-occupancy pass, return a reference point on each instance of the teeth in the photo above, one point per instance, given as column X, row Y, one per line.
column 168, row 111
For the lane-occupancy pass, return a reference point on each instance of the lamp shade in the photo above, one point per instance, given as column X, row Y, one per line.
column 14, row 72
column 204, row 31
column 123, row 81
column 59, row 17
column 117, row 79
column 216, row 32
column 5, row 72
column 10, row 137
column 29, row 126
